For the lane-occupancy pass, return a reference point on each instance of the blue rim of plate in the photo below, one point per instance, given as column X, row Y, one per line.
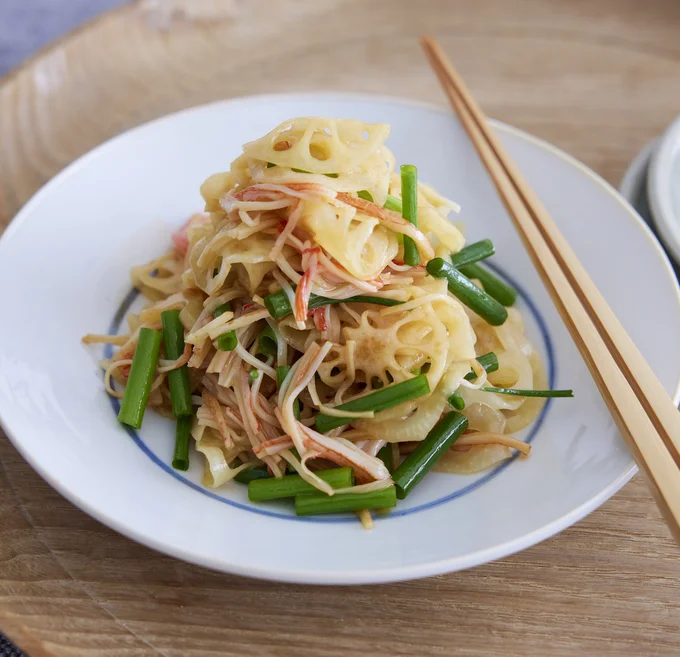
column 132, row 295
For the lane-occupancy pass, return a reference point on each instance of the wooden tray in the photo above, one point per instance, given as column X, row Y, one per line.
column 598, row 79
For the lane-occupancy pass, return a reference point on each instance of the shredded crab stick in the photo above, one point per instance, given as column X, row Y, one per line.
column 304, row 289
column 488, row 438
column 344, row 453
column 274, row 446
column 180, row 238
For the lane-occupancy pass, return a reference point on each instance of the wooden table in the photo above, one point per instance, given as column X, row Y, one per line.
column 598, row 78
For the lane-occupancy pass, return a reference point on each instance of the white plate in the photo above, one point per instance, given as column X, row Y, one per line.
column 663, row 188
column 64, row 265
column 633, row 185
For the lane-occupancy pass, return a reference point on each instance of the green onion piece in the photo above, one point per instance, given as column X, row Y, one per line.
column 318, row 503
column 358, row 298
column 278, row 305
column 530, row 393
column 328, row 175
column 409, row 199
column 281, row 374
column 270, row 165
column 267, row 341
column 227, row 341
column 142, row 372
column 380, row 400
column 296, row 454
column 178, row 380
column 467, row 292
column 419, row 462
column 251, row 474
column 456, row 401
column 220, row 310
column 492, row 285
column 387, row 457
column 473, row 253
column 180, row 459
column 393, row 203
column 262, row 490
column 488, row 361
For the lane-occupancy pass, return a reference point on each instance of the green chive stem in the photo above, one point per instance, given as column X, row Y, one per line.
column 488, row 308
column 492, row 285
column 180, row 458
column 253, row 473
column 178, row 379
column 456, row 401
column 278, row 305
column 473, row 253
column 419, row 462
column 261, row 490
column 377, row 401
column 488, row 361
column 529, row 393
column 409, row 200
column 318, row 503
column 142, row 372
column 227, row 341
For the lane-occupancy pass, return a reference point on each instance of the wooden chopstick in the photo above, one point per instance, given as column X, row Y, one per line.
column 643, row 411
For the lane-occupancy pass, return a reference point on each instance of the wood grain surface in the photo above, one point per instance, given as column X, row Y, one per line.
column 598, row 78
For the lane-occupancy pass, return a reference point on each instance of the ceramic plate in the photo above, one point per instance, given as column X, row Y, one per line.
column 64, row 265
column 633, row 185
column 663, row 188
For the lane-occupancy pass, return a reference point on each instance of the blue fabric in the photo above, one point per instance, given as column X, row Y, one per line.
column 8, row 649
column 27, row 25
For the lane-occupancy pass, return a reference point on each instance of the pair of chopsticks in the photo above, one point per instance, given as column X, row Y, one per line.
column 644, row 413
